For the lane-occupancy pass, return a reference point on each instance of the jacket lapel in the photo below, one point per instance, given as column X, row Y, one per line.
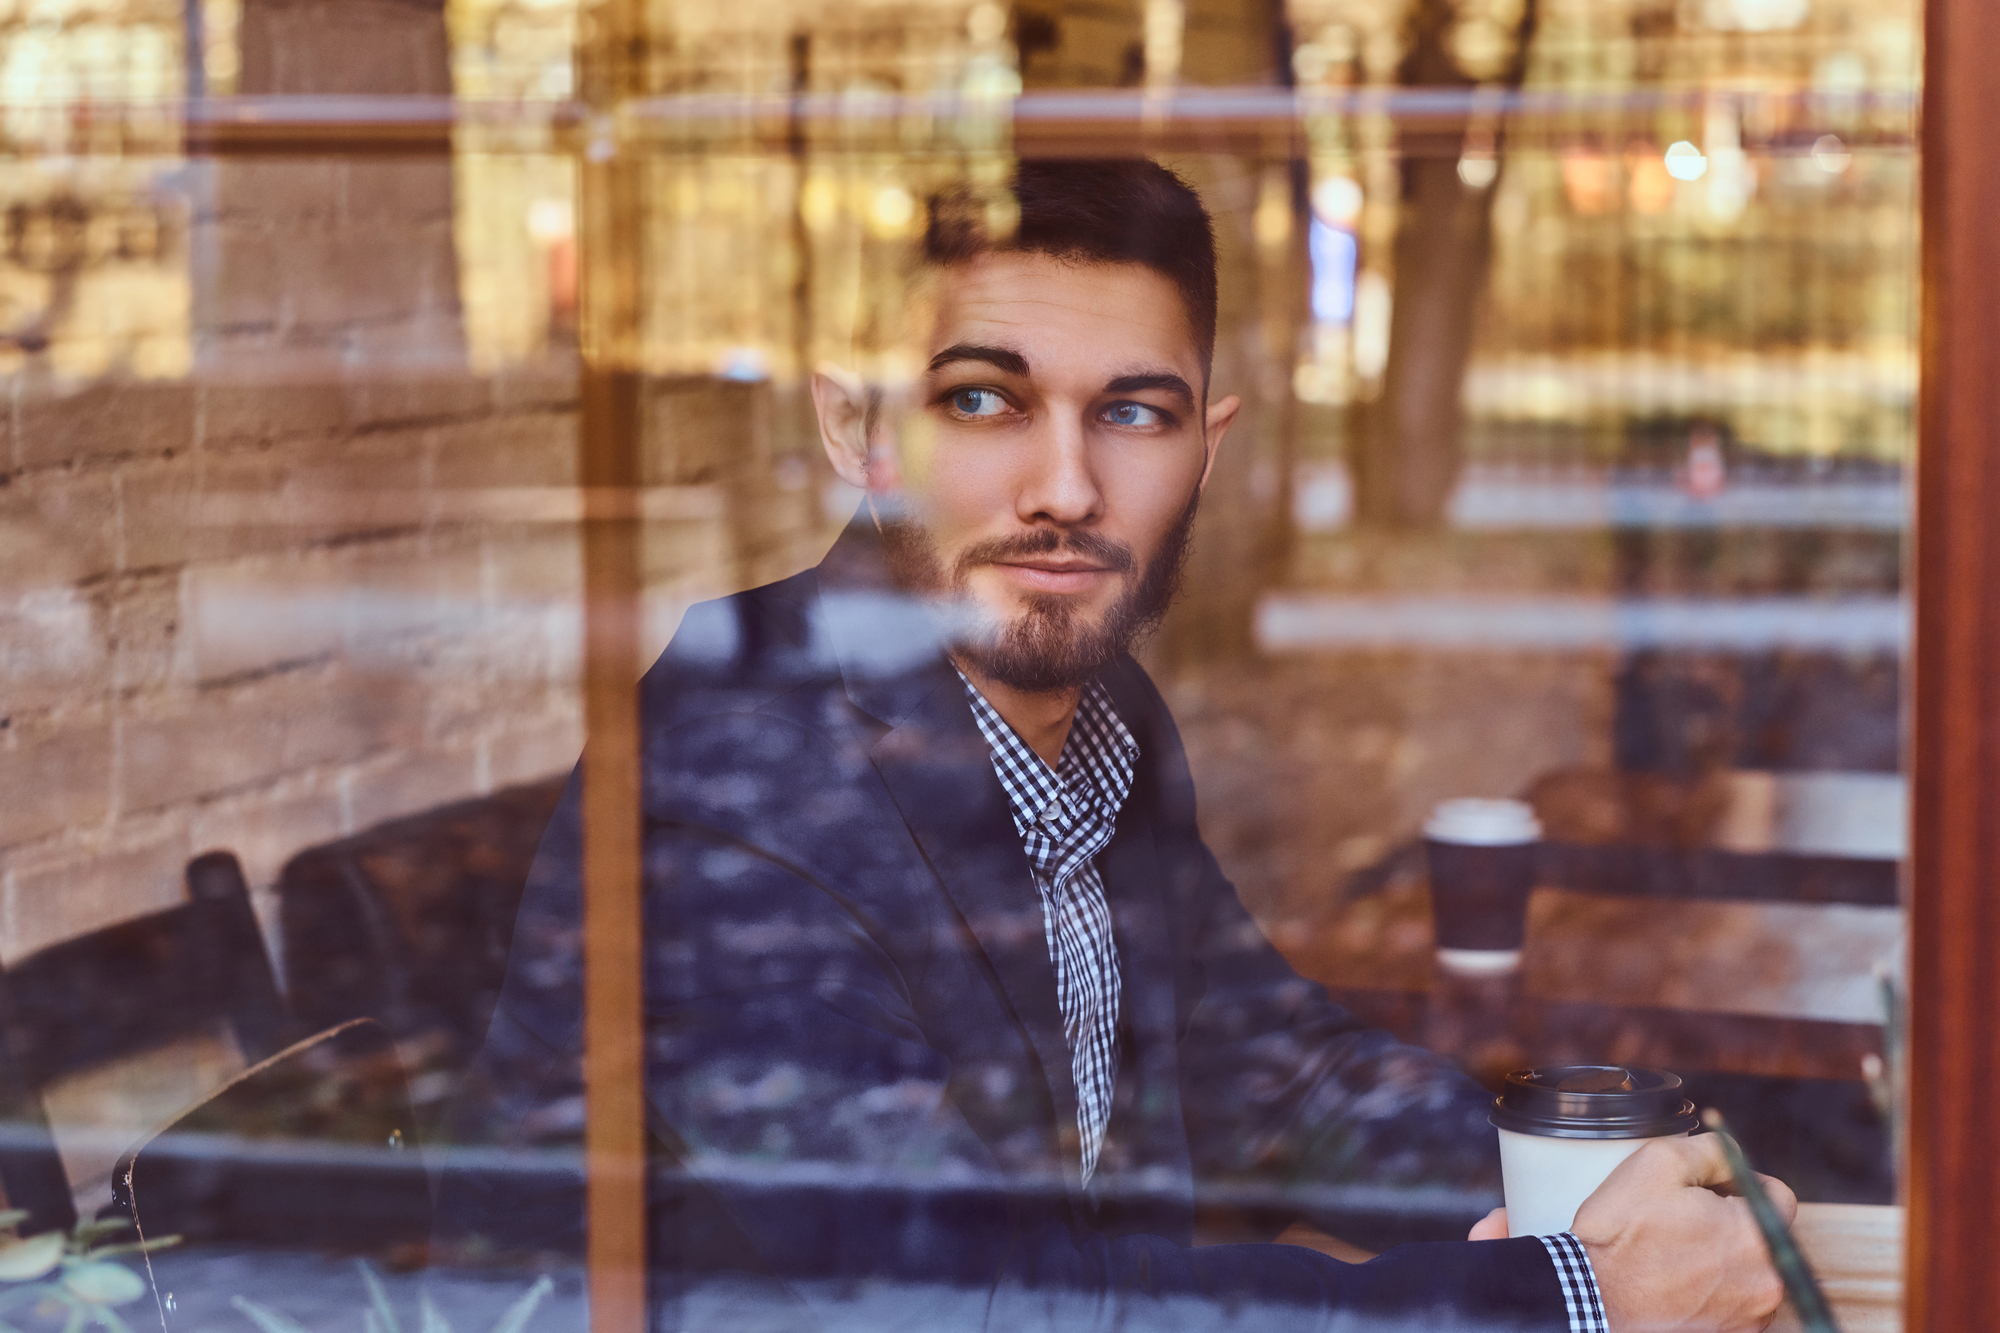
column 1136, row 881
column 938, row 769
column 1134, row 889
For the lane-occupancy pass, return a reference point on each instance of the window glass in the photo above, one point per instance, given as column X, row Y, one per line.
column 1217, row 585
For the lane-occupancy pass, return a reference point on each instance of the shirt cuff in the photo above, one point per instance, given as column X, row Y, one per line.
column 1579, row 1283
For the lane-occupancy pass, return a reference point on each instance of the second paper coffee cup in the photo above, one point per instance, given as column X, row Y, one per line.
column 1482, row 868
column 1563, row 1128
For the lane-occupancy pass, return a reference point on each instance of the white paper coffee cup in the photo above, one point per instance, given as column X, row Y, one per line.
column 1564, row 1128
column 1479, row 962
column 1476, row 821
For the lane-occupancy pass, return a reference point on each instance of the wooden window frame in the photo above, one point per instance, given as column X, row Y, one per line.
column 1952, row 1173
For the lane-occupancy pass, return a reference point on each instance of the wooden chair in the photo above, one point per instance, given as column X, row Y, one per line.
column 115, row 993
column 409, row 921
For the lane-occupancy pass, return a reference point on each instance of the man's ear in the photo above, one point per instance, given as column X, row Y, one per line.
column 1221, row 414
column 841, row 401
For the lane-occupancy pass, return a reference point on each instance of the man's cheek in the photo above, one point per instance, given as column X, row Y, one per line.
column 912, row 453
column 989, row 589
column 968, row 492
column 885, row 475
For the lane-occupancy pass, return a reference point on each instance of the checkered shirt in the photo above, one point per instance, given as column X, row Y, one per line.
column 1065, row 815
column 1579, row 1283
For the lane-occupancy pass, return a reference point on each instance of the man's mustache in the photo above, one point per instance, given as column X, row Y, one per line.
column 1092, row 546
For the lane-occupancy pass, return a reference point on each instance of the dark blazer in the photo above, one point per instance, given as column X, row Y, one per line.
column 856, row 1066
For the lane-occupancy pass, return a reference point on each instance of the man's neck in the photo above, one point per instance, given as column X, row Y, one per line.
column 1042, row 718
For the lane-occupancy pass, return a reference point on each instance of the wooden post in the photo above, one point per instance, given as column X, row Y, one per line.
column 611, row 263
column 614, row 1137
column 1953, row 1175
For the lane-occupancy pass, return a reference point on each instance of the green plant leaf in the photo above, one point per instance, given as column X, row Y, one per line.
column 108, row 1320
column 135, row 1247
column 433, row 1322
column 13, row 1217
column 379, row 1298
column 87, row 1231
column 270, row 1321
column 25, row 1260
column 104, row 1283
column 519, row 1312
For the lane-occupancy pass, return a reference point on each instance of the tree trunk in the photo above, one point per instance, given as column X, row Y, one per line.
column 1240, row 539
column 1409, row 441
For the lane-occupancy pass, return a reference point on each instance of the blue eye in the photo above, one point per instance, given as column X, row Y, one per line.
column 978, row 403
column 1134, row 414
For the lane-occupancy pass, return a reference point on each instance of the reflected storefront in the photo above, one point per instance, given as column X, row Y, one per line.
column 390, row 386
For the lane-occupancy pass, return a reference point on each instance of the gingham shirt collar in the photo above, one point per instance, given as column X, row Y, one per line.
column 1089, row 785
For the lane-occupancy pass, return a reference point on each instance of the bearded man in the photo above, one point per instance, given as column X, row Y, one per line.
column 952, row 1019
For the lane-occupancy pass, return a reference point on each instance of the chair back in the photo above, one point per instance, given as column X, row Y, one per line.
column 133, row 987
column 410, row 921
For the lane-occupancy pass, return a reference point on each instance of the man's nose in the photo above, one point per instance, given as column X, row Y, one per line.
column 1058, row 484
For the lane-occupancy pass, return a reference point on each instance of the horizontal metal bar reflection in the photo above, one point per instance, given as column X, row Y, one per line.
column 1106, row 120
column 1295, row 621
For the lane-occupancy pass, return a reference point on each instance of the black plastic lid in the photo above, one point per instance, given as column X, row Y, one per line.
column 1593, row 1102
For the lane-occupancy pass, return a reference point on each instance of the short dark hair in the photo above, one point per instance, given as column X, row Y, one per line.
column 1104, row 211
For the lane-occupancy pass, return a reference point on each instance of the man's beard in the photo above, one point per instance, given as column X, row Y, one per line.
column 1047, row 647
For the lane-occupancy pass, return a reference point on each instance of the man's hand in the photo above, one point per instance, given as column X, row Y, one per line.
column 1671, row 1253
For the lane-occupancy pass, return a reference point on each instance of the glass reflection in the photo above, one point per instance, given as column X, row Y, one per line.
column 1573, row 355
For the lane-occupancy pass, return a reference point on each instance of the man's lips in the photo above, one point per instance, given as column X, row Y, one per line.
column 1052, row 575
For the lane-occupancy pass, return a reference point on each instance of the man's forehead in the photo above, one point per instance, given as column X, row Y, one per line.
column 1113, row 317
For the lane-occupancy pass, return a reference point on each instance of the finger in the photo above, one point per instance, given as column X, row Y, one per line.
column 1697, row 1161
column 1493, row 1226
column 1782, row 1198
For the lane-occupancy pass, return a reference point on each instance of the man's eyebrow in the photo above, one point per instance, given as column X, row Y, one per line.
column 1172, row 383
column 998, row 357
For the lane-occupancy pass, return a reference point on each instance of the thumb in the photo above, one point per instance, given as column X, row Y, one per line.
column 1703, row 1162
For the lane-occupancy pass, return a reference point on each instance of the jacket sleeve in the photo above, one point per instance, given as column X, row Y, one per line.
column 815, row 1150
column 1283, row 1087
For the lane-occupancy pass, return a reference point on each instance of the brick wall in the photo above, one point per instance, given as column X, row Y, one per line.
column 261, row 615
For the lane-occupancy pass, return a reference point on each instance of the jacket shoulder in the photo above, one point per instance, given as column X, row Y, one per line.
column 737, row 654
column 748, row 707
